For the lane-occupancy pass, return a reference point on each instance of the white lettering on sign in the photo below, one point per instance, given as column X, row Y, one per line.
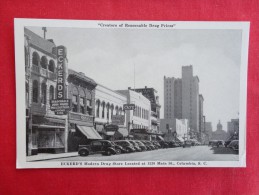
column 60, row 73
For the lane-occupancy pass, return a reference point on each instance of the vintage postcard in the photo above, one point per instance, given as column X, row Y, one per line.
column 93, row 94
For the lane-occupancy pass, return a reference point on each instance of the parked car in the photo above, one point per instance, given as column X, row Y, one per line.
column 141, row 145
column 149, row 145
column 163, row 144
column 156, row 144
column 219, row 143
column 187, row 143
column 126, row 145
column 234, row 144
column 98, row 146
column 135, row 145
column 227, row 143
column 172, row 144
column 119, row 149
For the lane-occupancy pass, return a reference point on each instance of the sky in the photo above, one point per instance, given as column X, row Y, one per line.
column 109, row 55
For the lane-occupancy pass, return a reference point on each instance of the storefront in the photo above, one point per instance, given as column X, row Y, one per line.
column 144, row 134
column 47, row 135
column 81, row 131
column 115, row 132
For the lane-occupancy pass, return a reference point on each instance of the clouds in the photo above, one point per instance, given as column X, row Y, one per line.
column 108, row 56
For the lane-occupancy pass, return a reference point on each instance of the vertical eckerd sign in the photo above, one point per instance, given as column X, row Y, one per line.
column 61, row 105
column 61, row 57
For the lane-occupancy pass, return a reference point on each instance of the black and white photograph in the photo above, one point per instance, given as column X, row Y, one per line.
column 93, row 94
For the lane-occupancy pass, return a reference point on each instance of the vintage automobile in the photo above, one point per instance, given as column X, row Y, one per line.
column 135, row 145
column 156, row 144
column 172, row 144
column 126, row 145
column 149, row 145
column 119, row 149
column 234, row 144
column 163, row 144
column 141, row 145
column 97, row 146
column 187, row 143
column 227, row 143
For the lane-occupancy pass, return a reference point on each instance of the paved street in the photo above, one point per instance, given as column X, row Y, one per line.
column 196, row 153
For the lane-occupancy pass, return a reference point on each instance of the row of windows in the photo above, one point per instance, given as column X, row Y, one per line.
column 136, row 126
column 140, row 112
column 43, row 61
column 43, row 87
column 100, row 109
column 82, row 101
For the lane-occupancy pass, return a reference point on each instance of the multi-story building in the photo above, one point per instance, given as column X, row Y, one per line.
column 109, row 103
column 175, row 129
column 140, row 118
column 190, row 97
column 81, row 92
column 151, row 95
column 233, row 128
column 45, row 131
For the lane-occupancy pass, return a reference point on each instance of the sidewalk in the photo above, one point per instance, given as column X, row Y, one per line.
column 46, row 156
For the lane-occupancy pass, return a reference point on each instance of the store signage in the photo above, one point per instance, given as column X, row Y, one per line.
column 118, row 119
column 111, row 127
column 61, row 57
column 61, row 105
column 128, row 106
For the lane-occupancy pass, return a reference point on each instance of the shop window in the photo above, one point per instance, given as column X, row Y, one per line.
column 74, row 103
column 51, row 65
column 43, row 93
column 51, row 93
column 35, row 91
column 82, row 105
column 44, row 62
column 35, row 58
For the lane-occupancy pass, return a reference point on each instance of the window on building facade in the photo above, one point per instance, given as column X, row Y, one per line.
column 112, row 109
column 51, row 65
column 117, row 110
column 82, row 105
column 51, row 92
column 44, row 62
column 35, row 58
column 98, row 108
column 89, row 102
column 103, row 108
column 43, row 93
column 108, row 111
column 74, row 103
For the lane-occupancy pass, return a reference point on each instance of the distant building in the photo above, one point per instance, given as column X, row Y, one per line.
column 174, row 129
column 219, row 134
column 233, row 128
column 182, row 99
column 208, row 129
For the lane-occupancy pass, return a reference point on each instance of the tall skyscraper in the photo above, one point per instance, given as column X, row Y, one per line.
column 169, row 97
column 181, row 98
column 190, row 97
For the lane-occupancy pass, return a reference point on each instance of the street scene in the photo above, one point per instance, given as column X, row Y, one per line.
column 157, row 96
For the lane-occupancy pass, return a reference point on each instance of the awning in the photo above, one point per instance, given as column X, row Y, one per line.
column 110, row 133
column 89, row 132
column 123, row 132
column 180, row 139
column 49, row 126
column 161, row 138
